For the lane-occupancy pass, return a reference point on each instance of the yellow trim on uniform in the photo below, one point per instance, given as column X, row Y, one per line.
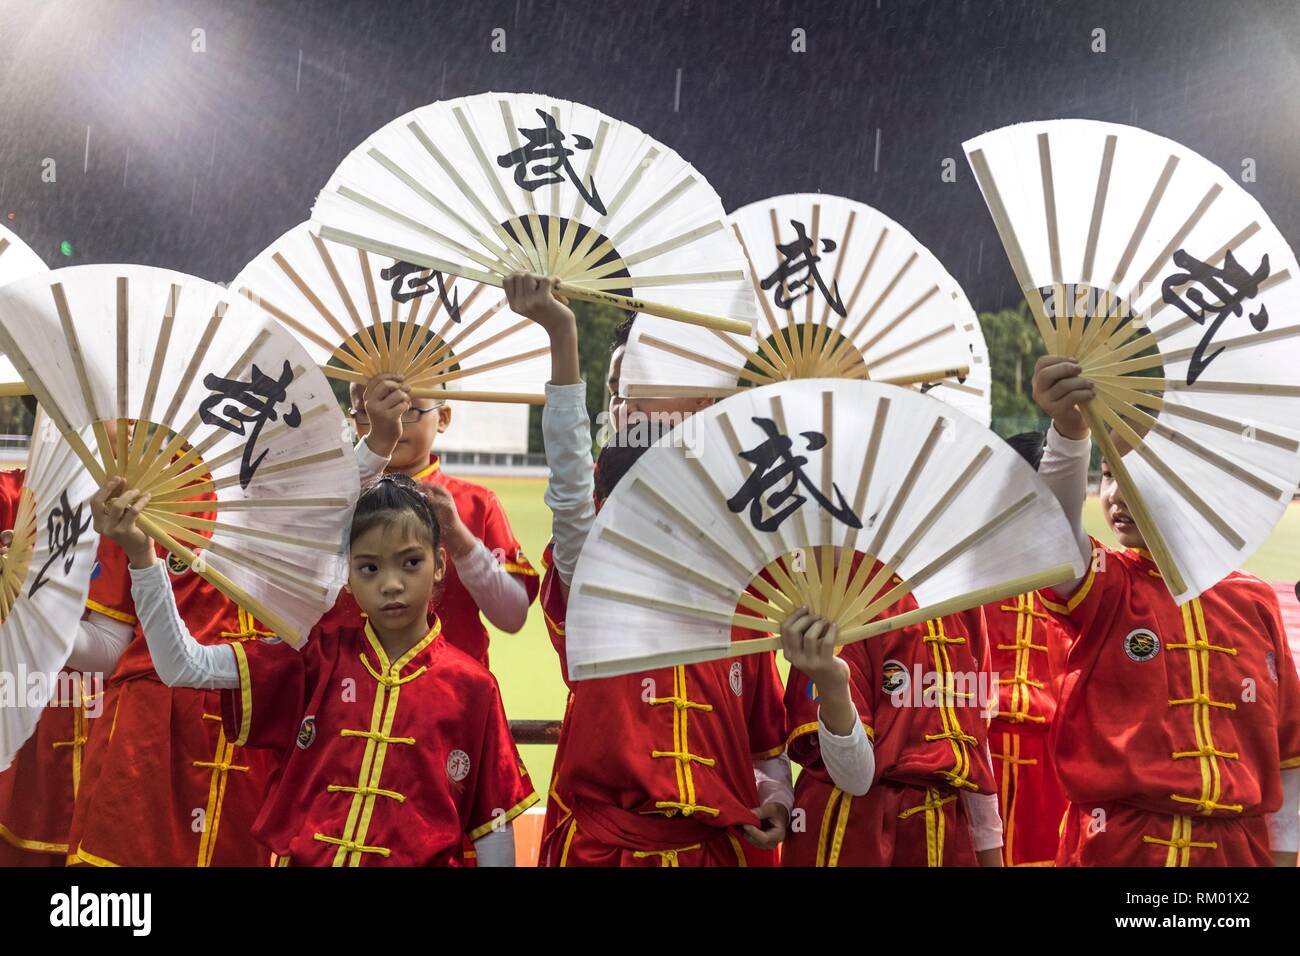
column 564, row 853
column 824, row 831
column 110, row 612
column 221, row 767
column 1290, row 762
column 509, row 815
column 524, row 569
column 681, row 753
column 81, row 856
column 557, row 628
column 245, row 695
column 1180, row 842
column 432, row 467
column 934, row 823
column 35, row 846
column 769, row 754
column 1075, row 599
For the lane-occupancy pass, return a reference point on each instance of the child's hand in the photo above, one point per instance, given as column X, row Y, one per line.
column 808, row 642
column 533, row 297
column 386, row 399
column 774, row 820
column 1059, row 390
column 456, row 538
column 115, row 509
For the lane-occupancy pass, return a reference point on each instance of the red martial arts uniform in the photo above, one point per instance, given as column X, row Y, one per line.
column 927, row 745
column 379, row 762
column 162, row 784
column 1030, row 800
column 1173, row 723
column 481, row 512
column 38, row 788
column 657, row 768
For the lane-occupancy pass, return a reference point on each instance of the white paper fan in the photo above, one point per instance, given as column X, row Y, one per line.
column 17, row 261
column 844, row 292
column 233, row 405
column 1123, row 243
column 370, row 315
column 488, row 185
column 44, row 582
column 938, row 499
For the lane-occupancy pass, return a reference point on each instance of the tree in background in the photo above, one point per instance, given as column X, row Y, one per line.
column 596, row 325
column 1014, row 347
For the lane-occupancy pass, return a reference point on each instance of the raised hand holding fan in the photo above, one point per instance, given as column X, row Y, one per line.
column 221, row 416
column 485, row 186
column 1169, row 284
column 360, row 315
column 844, row 291
column 843, row 496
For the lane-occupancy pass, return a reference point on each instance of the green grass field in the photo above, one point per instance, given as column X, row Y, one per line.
column 529, row 671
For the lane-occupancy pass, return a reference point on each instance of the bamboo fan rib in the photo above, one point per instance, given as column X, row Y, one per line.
column 44, row 580
column 17, row 261
column 488, row 185
column 360, row 315
column 843, row 292
column 777, row 488
column 226, row 405
column 1175, row 291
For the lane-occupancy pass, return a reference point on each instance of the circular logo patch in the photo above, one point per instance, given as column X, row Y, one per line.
column 736, row 678
column 176, row 565
column 1141, row 645
column 458, row 765
column 307, row 732
column 894, row 677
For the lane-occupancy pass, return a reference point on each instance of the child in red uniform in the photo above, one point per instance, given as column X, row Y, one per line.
column 895, row 774
column 1022, row 634
column 162, row 783
column 1177, row 735
column 475, row 533
column 391, row 745
column 679, row 766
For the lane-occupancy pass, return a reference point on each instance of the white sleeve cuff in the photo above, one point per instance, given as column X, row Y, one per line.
column 566, row 434
column 179, row 659
column 501, row 598
column 1284, row 826
column 99, row 643
column 496, row 847
column 773, row 779
column 370, row 465
column 984, row 820
column 850, row 760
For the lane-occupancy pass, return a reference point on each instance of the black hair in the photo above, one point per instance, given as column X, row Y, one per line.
column 386, row 499
column 614, row 462
column 1029, row 446
column 622, row 332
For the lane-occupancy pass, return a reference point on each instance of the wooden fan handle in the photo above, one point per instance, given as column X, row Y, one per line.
column 520, row 398
column 654, row 308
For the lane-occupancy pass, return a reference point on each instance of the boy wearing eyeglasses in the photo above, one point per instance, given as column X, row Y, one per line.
column 487, row 570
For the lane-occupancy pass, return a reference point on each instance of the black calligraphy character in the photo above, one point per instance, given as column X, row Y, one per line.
column 65, row 528
column 797, row 256
column 1244, row 285
column 774, row 464
column 546, row 152
column 418, row 286
column 260, row 394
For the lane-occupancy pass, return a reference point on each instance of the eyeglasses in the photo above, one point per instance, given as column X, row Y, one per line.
column 411, row 416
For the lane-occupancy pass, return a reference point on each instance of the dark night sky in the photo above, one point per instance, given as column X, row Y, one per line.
column 199, row 160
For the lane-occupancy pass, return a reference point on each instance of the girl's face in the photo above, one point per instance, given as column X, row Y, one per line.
column 1116, row 511
column 393, row 573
